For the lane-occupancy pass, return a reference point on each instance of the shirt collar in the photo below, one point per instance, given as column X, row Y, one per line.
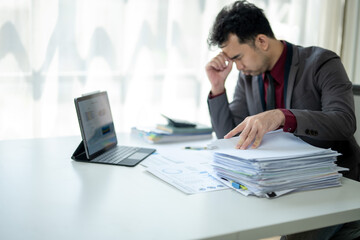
column 278, row 71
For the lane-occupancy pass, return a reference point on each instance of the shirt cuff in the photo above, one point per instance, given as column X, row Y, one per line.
column 214, row 96
column 290, row 124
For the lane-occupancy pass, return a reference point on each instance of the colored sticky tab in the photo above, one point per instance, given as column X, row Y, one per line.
column 238, row 186
column 235, row 185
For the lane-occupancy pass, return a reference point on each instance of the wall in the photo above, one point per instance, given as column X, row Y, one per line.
column 357, row 111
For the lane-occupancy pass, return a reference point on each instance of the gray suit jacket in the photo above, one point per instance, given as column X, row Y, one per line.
column 319, row 94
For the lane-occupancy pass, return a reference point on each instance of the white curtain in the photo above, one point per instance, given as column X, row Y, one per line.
column 148, row 54
column 351, row 40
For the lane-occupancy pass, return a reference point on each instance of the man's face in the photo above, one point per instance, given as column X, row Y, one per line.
column 251, row 60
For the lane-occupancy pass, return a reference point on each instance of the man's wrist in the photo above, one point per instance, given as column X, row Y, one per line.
column 217, row 90
column 212, row 95
column 290, row 123
column 282, row 118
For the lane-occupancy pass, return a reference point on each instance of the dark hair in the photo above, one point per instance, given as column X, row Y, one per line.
column 241, row 18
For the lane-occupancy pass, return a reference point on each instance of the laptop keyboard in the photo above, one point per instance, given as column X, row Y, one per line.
column 116, row 155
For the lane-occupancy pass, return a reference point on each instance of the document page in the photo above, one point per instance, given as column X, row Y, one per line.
column 274, row 146
column 187, row 170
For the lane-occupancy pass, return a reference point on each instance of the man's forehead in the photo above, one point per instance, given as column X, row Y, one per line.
column 231, row 54
column 232, row 51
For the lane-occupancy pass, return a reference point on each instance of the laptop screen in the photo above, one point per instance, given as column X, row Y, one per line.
column 96, row 123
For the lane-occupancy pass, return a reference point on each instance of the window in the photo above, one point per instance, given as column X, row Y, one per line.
column 149, row 56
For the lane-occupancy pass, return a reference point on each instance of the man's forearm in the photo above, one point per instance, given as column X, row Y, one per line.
column 220, row 114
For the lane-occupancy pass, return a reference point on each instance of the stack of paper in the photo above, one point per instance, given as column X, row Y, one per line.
column 283, row 163
column 198, row 129
column 160, row 136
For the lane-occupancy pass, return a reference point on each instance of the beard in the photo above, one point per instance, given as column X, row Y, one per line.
column 261, row 68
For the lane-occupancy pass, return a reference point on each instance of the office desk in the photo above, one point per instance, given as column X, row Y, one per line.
column 46, row 195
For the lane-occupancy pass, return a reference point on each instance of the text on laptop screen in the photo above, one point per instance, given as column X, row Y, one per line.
column 97, row 123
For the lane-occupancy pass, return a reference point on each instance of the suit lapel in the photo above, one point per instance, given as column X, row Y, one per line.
column 292, row 75
column 258, row 93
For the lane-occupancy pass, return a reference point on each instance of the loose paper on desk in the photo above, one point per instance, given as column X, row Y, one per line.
column 186, row 170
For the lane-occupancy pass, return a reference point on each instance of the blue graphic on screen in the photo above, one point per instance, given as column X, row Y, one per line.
column 105, row 130
column 97, row 123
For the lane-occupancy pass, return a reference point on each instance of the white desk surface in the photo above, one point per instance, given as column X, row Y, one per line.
column 46, row 195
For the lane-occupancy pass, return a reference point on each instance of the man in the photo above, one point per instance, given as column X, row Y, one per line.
column 304, row 91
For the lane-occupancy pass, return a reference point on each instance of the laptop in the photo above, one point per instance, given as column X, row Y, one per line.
column 99, row 141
